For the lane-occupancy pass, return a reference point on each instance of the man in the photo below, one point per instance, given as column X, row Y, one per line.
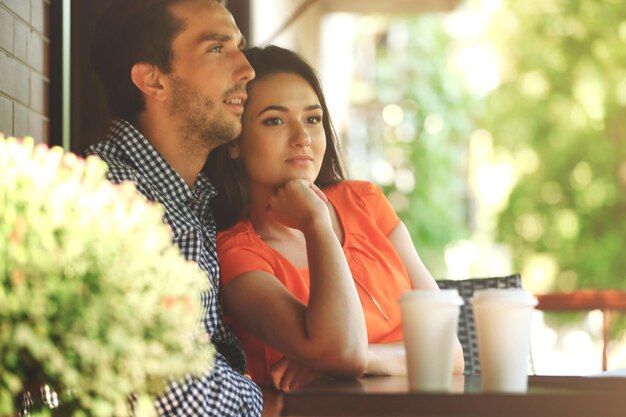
column 175, row 80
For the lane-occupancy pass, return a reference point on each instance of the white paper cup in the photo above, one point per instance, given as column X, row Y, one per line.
column 503, row 320
column 429, row 320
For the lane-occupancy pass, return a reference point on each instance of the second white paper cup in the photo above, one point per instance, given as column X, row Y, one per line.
column 430, row 321
column 503, row 320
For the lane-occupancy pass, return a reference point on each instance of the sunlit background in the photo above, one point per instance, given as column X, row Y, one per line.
column 496, row 128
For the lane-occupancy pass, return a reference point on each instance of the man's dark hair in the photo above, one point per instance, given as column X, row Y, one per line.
column 128, row 32
column 228, row 176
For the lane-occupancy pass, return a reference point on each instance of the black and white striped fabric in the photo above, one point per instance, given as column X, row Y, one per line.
column 224, row 391
column 467, row 328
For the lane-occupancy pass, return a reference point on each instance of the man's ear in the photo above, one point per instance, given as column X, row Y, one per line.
column 147, row 78
column 233, row 149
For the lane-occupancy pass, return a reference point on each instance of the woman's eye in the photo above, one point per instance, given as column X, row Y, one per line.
column 313, row 120
column 273, row 121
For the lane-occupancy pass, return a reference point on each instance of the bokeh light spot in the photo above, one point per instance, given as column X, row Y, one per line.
column 393, row 115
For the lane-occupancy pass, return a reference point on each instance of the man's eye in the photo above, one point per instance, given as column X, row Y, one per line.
column 216, row 48
column 273, row 121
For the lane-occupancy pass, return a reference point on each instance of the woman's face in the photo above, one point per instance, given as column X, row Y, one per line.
column 283, row 137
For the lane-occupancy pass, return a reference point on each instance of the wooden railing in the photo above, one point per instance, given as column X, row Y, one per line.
column 587, row 300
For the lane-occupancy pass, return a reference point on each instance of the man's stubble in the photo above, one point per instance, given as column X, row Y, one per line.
column 203, row 124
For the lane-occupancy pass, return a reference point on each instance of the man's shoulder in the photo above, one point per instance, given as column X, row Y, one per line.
column 120, row 165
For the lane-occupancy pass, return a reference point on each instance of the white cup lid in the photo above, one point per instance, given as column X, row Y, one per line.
column 438, row 296
column 504, row 295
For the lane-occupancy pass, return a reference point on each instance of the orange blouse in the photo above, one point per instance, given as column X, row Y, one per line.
column 380, row 276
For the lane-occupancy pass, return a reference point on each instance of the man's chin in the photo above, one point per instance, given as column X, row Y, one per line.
column 223, row 134
column 236, row 132
column 234, row 128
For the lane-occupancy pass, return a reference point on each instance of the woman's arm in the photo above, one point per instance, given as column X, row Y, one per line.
column 329, row 333
column 420, row 277
column 386, row 359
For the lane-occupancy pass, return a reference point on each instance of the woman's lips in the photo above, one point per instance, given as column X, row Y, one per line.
column 297, row 158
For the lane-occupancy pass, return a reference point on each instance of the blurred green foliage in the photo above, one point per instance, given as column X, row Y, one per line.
column 563, row 96
column 413, row 72
column 559, row 113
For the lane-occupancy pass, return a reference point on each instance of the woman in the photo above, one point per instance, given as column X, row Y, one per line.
column 312, row 264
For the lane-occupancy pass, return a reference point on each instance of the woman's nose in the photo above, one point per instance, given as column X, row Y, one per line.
column 300, row 136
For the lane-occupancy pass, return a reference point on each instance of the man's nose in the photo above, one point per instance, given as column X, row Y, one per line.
column 244, row 72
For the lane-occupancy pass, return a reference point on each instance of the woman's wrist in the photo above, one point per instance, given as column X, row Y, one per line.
column 319, row 225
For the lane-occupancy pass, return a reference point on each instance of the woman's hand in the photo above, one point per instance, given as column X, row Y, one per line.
column 287, row 375
column 298, row 204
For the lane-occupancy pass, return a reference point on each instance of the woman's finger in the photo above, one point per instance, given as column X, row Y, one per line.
column 277, row 372
column 319, row 192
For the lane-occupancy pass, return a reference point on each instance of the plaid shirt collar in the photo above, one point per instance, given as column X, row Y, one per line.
column 156, row 170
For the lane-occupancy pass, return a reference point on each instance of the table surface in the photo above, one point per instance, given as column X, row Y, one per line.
column 549, row 396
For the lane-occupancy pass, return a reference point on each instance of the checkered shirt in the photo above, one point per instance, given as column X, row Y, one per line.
column 224, row 391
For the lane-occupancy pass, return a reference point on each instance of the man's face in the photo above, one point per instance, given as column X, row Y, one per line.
column 209, row 73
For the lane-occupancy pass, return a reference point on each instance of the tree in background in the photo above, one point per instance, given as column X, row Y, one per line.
column 556, row 117
column 560, row 112
column 411, row 112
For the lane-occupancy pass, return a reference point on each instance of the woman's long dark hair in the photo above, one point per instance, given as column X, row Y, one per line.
column 228, row 176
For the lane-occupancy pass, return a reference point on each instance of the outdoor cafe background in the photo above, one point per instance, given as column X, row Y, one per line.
column 495, row 127
column 497, row 130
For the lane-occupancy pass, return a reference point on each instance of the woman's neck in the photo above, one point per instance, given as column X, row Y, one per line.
column 290, row 243
column 265, row 226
